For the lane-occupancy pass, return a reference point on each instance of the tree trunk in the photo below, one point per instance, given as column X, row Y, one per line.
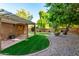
column 66, row 30
column 44, row 30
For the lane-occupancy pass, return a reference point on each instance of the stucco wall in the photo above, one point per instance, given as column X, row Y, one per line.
column 11, row 29
column 7, row 29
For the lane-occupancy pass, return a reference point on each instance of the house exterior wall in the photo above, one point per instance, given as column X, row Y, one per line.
column 20, row 29
column 7, row 29
column 11, row 29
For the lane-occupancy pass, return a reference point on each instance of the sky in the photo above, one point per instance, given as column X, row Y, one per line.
column 33, row 8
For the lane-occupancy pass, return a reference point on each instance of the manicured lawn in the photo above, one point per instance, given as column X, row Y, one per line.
column 39, row 33
column 30, row 45
column 43, row 33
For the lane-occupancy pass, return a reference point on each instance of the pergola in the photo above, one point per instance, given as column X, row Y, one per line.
column 13, row 19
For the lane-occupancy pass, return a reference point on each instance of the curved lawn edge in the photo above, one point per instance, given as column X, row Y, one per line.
column 41, row 51
column 34, row 52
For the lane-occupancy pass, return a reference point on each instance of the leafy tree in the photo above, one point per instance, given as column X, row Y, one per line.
column 42, row 22
column 63, row 14
column 24, row 14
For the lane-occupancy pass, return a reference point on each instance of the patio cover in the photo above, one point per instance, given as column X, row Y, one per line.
column 12, row 18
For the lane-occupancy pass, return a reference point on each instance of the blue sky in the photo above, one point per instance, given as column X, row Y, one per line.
column 33, row 8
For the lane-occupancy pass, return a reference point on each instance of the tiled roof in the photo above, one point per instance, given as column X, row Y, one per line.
column 14, row 18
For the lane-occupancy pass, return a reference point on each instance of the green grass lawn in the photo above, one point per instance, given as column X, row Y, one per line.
column 30, row 45
column 39, row 33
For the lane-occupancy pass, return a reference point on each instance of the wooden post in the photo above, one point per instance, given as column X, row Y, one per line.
column 27, row 30
column 0, row 34
column 34, row 29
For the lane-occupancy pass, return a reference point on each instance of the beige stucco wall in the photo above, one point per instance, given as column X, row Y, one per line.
column 11, row 29
column 7, row 29
column 21, row 31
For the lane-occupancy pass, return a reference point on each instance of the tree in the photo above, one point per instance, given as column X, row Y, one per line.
column 24, row 14
column 42, row 22
column 63, row 13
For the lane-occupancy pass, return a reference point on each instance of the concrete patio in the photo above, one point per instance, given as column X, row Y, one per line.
column 10, row 42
